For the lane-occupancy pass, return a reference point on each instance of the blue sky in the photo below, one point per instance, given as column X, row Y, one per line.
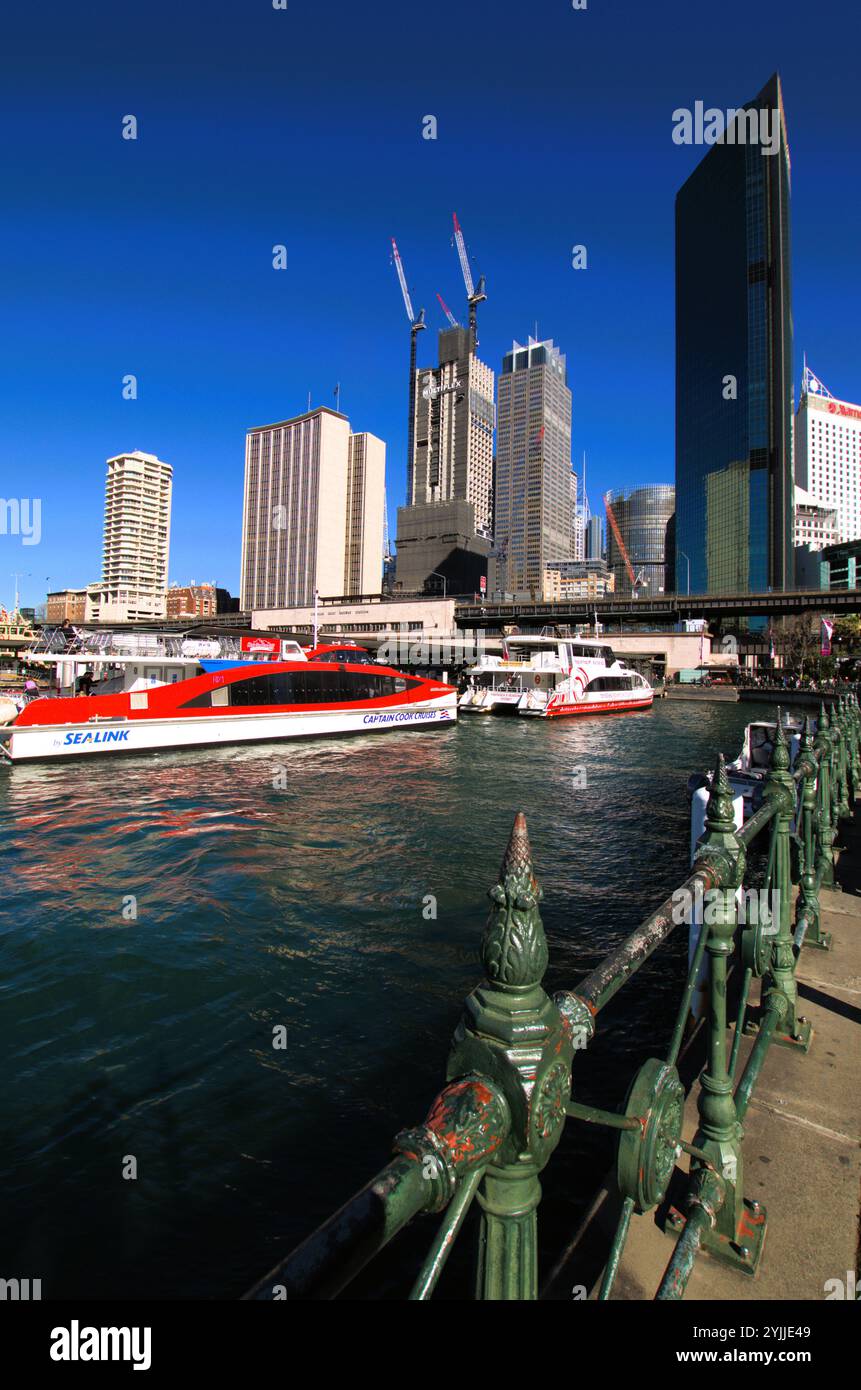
column 303, row 127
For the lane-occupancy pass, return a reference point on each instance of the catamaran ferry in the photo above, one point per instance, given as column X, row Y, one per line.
column 552, row 677
column 337, row 691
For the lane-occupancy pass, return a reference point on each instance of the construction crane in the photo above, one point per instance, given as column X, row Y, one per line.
column 447, row 311
column 474, row 295
column 416, row 327
column 617, row 535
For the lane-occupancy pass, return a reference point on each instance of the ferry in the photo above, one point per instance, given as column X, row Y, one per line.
column 229, row 702
column 553, row 677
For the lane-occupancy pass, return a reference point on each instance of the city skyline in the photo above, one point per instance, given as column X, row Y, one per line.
column 186, row 298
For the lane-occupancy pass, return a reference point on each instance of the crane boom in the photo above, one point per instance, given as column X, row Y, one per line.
column 464, row 259
column 399, row 266
column 617, row 535
column 447, row 311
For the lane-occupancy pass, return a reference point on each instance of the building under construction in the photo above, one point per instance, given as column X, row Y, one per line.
column 640, row 539
column 444, row 530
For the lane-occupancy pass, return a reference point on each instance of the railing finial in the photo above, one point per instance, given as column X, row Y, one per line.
column 514, row 947
column 719, row 810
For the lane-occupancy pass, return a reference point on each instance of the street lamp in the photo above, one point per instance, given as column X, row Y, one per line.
column 435, row 574
column 685, row 557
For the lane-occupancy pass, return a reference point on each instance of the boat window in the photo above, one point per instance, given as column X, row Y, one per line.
column 303, row 688
column 347, row 654
column 611, row 683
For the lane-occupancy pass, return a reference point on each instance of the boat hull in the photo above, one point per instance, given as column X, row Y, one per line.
column 587, row 707
column 113, row 737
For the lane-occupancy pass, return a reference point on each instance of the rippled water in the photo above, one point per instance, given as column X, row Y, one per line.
column 284, row 885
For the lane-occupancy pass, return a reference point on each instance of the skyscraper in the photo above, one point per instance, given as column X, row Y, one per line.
column 138, row 491
column 534, row 512
column 312, row 511
column 734, row 484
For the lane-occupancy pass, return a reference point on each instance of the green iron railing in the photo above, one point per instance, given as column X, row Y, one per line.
column 495, row 1125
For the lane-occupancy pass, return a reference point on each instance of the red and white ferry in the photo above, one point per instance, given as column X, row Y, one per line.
column 552, row 677
column 232, row 702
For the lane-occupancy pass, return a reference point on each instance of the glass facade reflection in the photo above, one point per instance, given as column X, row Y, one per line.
column 734, row 367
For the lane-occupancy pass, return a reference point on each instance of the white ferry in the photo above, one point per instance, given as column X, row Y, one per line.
column 553, row 677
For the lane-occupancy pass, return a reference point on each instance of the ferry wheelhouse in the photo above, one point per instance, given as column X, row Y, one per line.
column 553, row 677
column 157, row 703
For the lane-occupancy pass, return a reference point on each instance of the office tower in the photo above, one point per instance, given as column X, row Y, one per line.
column 594, row 539
column 534, row 513
column 446, row 525
column 639, row 539
column 312, row 511
column 734, row 360
column 136, row 541
column 366, row 500
column 828, row 454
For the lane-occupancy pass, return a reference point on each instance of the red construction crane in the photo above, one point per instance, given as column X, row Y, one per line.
column 617, row 535
column 447, row 311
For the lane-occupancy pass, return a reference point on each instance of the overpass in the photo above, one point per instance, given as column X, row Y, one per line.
column 667, row 608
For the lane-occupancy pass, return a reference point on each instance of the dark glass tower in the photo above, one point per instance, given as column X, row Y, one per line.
column 734, row 485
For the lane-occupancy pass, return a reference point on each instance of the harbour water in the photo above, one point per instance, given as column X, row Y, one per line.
column 161, row 916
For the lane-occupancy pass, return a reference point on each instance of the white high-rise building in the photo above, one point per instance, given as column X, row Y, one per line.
column 828, row 454
column 136, row 541
column 312, row 512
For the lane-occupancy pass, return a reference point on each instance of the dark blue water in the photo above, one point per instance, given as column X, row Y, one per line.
column 284, row 886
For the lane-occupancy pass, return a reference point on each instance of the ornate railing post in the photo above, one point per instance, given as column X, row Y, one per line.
column 855, row 741
column 839, row 729
column 780, row 788
column 513, row 1033
column 850, row 741
column 825, row 829
column 739, row 1227
column 807, row 905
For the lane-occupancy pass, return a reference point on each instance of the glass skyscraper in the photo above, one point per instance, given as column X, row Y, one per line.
column 734, row 484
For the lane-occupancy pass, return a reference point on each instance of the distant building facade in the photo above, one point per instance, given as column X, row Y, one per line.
column 734, row 363
column 842, row 566
column 66, row 605
column 644, row 517
column 577, row 579
column 191, row 601
column 138, row 492
column 439, row 550
column 594, row 539
column 814, row 524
